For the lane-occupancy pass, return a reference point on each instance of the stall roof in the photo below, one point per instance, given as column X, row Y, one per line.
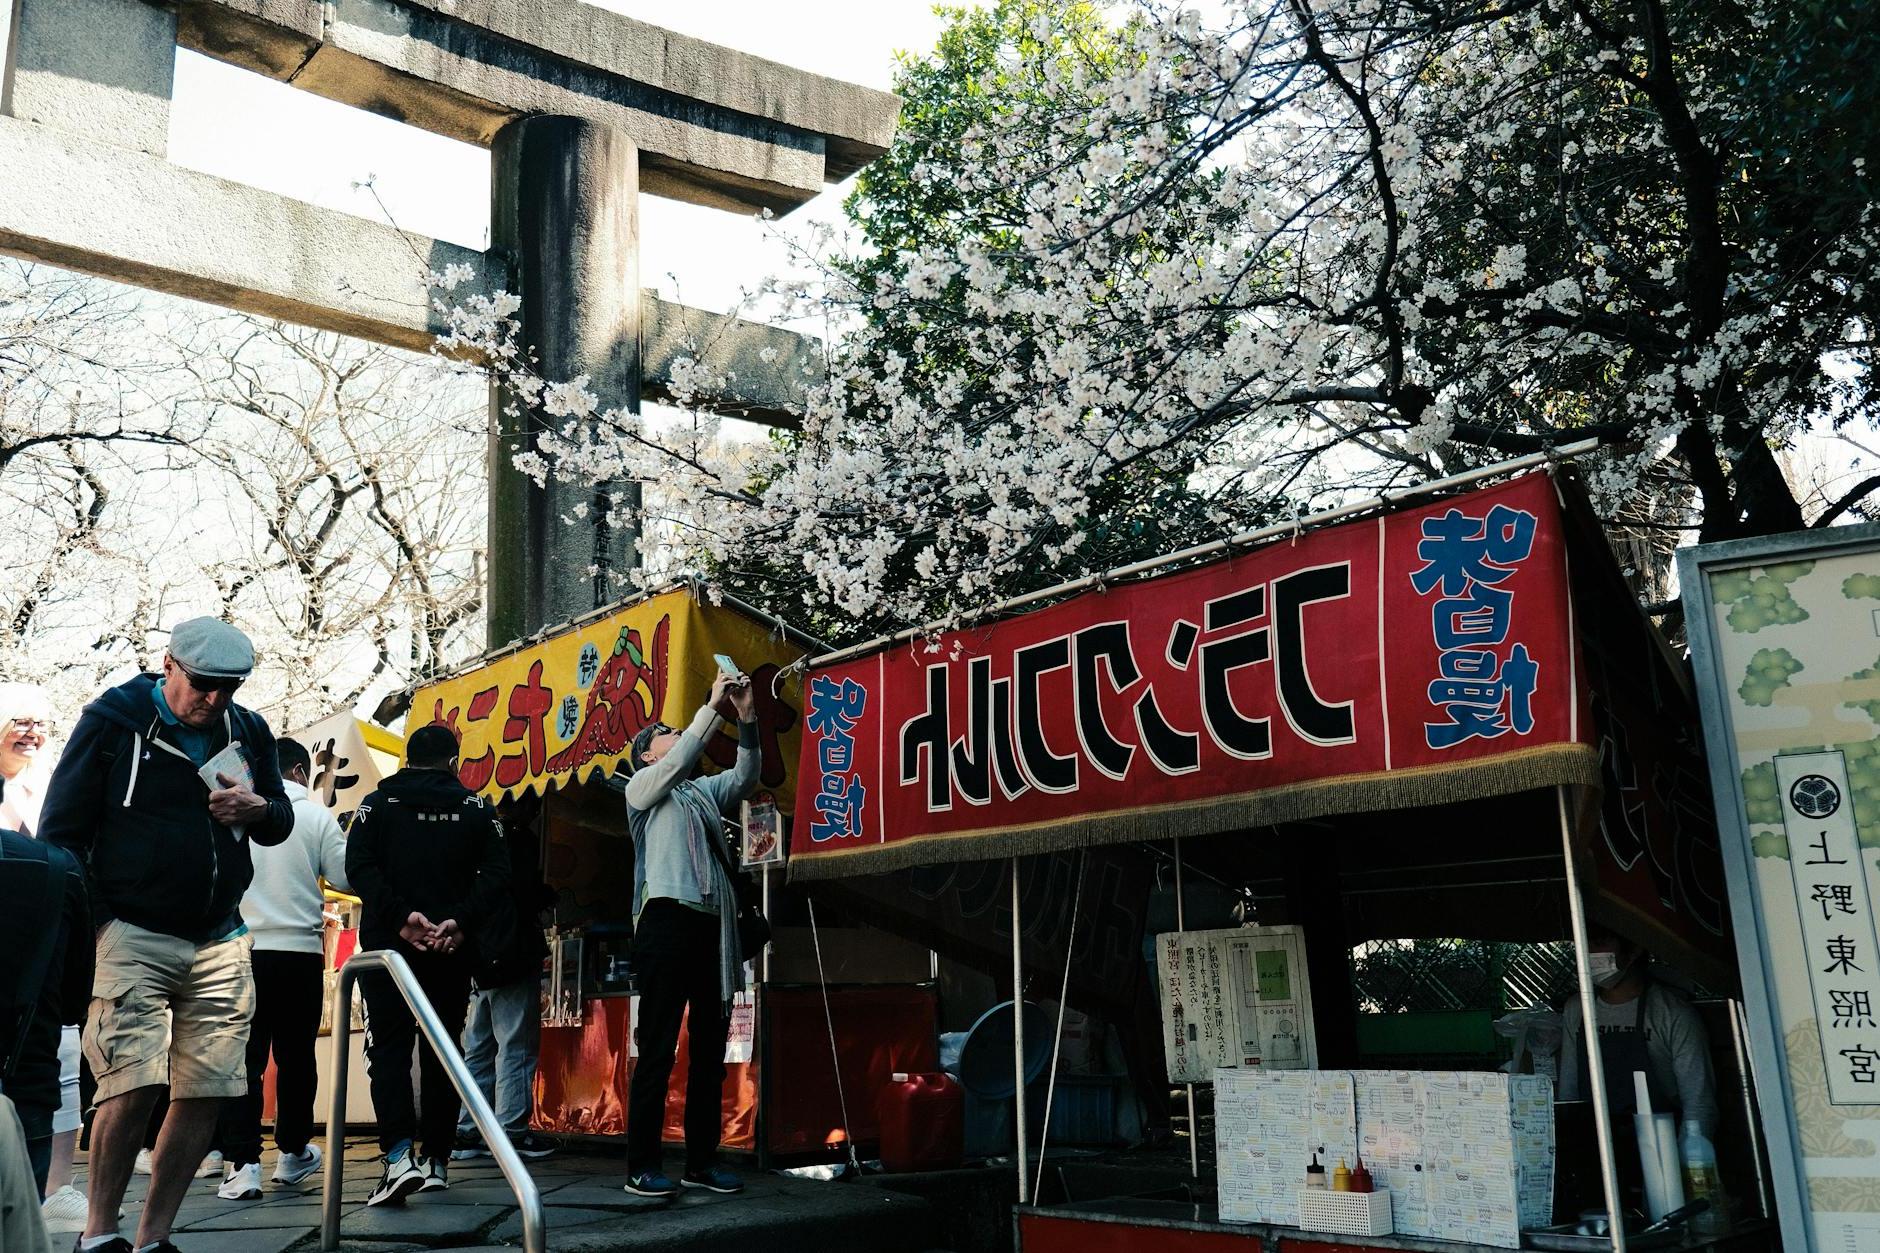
column 1063, row 727
column 563, row 706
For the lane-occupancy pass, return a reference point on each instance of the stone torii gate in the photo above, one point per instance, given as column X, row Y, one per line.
column 582, row 109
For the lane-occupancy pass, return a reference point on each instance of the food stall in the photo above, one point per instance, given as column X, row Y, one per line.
column 1451, row 698
column 544, row 729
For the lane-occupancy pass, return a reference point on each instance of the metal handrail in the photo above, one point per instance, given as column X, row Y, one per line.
column 528, row 1197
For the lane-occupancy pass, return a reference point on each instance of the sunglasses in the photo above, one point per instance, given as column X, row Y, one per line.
column 203, row 683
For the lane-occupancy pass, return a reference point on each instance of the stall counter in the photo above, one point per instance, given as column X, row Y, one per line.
column 1132, row 1225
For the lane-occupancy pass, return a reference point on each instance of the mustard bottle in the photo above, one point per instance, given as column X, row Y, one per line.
column 1341, row 1177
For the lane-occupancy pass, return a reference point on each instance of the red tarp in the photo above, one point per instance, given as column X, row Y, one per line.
column 1415, row 658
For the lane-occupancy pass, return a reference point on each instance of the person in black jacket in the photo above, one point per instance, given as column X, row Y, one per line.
column 166, row 856
column 45, row 924
column 426, row 857
column 503, row 1036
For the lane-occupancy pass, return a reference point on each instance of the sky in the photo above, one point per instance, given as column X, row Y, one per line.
column 241, row 126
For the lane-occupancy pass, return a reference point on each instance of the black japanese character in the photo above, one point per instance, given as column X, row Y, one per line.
column 1311, row 717
column 1821, row 846
column 1852, row 1009
column 1237, row 734
column 1832, row 897
column 1840, row 956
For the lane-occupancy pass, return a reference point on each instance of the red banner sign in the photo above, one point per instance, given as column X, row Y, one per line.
column 1414, row 658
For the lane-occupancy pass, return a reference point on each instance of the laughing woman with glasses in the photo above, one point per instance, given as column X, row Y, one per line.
column 25, row 764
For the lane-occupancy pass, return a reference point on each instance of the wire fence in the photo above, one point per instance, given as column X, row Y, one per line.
column 1414, row 976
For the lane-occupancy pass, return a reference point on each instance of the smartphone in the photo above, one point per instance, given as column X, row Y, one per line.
column 727, row 665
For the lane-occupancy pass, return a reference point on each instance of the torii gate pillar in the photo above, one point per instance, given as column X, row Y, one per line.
column 566, row 211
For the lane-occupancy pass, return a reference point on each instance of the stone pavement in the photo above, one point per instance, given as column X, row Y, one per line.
column 586, row 1209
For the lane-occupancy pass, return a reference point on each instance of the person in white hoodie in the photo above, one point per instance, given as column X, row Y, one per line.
column 284, row 909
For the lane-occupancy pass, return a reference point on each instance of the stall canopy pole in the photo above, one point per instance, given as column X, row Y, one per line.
column 1064, row 996
column 1181, row 924
column 1589, row 1031
column 1018, row 1043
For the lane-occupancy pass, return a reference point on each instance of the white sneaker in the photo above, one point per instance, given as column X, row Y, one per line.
column 65, row 1209
column 241, row 1183
column 293, row 1167
column 143, row 1161
column 400, row 1180
column 436, row 1175
column 212, row 1167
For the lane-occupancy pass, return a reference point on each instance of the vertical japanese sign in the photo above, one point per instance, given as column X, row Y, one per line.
column 1839, row 942
column 1785, row 637
column 567, row 708
column 1420, row 656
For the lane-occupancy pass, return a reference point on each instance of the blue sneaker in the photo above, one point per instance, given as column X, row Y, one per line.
column 651, row 1183
column 713, row 1179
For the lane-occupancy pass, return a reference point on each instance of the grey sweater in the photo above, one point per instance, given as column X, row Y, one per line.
column 674, row 817
column 1675, row 1045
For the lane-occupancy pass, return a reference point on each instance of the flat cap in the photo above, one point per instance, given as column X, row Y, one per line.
column 212, row 648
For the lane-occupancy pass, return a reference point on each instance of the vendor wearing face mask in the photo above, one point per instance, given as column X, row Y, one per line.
column 1643, row 1025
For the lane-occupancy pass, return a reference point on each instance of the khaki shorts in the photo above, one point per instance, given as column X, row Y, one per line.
column 164, row 1010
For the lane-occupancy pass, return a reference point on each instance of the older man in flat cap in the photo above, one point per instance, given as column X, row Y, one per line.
column 166, row 854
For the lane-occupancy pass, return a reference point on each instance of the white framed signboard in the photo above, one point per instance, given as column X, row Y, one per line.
column 1785, row 640
column 1235, row 998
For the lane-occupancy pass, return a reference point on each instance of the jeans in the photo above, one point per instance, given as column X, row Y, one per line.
column 500, row 1044
column 288, row 991
column 675, row 959
column 430, row 1116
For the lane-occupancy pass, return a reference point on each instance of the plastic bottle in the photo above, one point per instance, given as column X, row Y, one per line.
column 1315, row 1173
column 1341, row 1177
column 1701, row 1180
column 1360, row 1177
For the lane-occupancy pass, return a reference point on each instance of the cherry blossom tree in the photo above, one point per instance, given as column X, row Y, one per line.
column 1306, row 252
column 160, row 460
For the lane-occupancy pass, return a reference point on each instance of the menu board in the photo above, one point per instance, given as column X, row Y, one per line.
column 1465, row 1156
column 1235, row 998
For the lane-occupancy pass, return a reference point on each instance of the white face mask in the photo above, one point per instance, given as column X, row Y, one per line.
column 1604, row 967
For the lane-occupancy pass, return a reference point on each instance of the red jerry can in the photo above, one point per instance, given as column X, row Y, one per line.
column 923, row 1122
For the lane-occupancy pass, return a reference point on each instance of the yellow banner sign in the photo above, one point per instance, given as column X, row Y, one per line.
column 567, row 709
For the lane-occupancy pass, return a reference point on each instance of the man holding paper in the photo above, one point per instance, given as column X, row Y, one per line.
column 163, row 782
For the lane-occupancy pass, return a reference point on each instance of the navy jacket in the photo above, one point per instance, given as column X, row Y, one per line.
column 425, row 843
column 137, row 815
column 46, row 931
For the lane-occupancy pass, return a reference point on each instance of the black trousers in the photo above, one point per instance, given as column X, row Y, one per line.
column 288, row 993
column 675, row 963
column 430, row 1117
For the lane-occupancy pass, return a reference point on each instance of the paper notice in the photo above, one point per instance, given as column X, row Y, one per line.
column 232, row 763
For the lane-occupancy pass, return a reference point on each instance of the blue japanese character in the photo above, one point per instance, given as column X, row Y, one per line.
column 588, row 666
column 1456, row 548
column 570, row 717
column 1474, row 690
column 835, row 753
column 1520, row 675
column 838, row 808
column 1477, row 618
column 834, row 708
